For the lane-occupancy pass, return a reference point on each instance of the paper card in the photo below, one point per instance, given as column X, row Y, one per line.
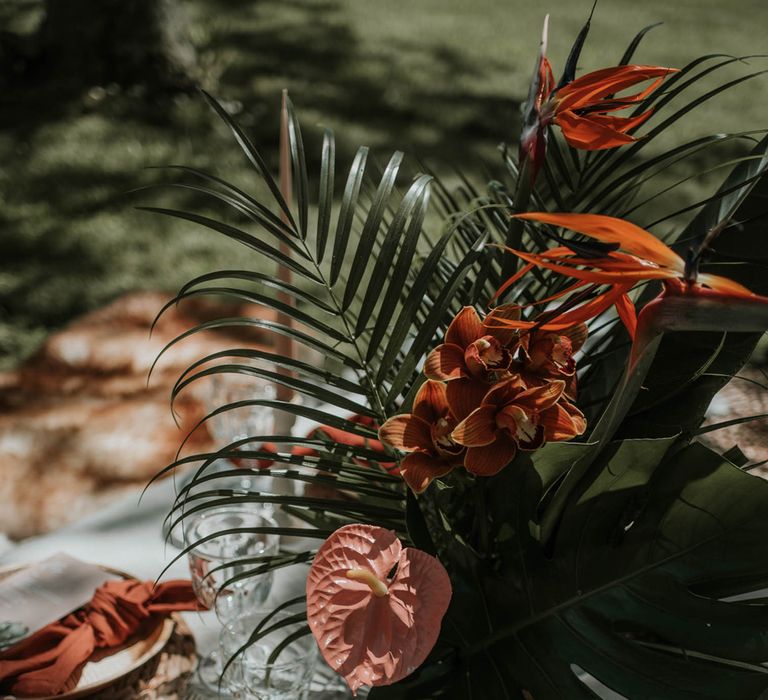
column 44, row 592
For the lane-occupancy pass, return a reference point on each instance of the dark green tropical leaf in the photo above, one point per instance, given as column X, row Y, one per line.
column 240, row 236
column 370, row 230
column 244, row 199
column 278, row 360
column 347, row 213
column 253, row 156
column 261, row 279
column 571, row 63
column 616, row 594
column 325, row 200
column 630, row 52
column 415, row 199
column 299, row 169
column 741, row 198
column 253, row 215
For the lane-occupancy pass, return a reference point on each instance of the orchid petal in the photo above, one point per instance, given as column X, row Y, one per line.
column 505, row 392
column 465, row 395
column 445, row 362
column 430, row 402
column 506, row 312
column 465, row 328
column 419, row 469
column 491, row 459
column 477, row 429
column 577, row 334
column 406, row 433
column 525, row 428
column 541, row 397
column 559, row 424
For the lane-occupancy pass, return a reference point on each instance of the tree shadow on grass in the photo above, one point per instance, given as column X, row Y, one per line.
column 56, row 262
column 404, row 98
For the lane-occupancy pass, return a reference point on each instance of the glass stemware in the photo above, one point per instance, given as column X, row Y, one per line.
column 223, row 540
column 258, row 676
column 241, row 423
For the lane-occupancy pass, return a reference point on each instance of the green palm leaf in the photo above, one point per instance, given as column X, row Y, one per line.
column 356, row 312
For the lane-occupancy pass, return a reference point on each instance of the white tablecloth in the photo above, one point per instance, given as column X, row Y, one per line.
column 127, row 535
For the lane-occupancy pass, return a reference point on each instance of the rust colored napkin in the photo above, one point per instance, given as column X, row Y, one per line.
column 50, row 661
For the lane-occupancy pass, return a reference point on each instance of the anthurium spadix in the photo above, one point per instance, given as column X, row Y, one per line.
column 375, row 608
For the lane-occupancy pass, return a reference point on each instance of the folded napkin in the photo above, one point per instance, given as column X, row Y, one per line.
column 50, row 661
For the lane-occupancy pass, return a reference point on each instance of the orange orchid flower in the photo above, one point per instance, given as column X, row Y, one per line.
column 371, row 628
column 426, row 435
column 473, row 355
column 550, row 354
column 584, row 108
column 513, row 417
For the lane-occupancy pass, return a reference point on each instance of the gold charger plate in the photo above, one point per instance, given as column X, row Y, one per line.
column 106, row 669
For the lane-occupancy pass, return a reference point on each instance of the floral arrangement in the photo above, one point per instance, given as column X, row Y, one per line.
column 506, row 481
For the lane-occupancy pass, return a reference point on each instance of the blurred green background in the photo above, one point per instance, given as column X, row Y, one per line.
column 89, row 101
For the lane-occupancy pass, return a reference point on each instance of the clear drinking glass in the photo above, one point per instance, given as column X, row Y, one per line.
column 241, row 423
column 226, row 550
column 288, row 677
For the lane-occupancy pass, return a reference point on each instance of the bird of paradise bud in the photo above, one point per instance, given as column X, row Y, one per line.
column 375, row 627
column 513, row 416
column 474, row 355
column 584, row 108
column 425, row 434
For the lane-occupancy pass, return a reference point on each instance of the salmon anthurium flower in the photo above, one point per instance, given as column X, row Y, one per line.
column 426, row 435
column 374, row 627
column 474, row 354
column 583, row 108
column 511, row 417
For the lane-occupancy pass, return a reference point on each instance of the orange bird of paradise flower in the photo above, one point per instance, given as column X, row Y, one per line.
column 640, row 256
column 584, row 108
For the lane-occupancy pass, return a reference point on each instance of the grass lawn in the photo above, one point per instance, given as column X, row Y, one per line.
column 440, row 78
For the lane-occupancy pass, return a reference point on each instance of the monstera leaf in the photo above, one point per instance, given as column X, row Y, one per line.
column 651, row 590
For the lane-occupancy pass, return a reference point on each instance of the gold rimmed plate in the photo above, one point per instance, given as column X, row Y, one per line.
column 108, row 668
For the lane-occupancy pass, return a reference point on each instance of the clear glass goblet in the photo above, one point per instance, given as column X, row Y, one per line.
column 248, row 421
column 258, row 676
column 224, row 542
